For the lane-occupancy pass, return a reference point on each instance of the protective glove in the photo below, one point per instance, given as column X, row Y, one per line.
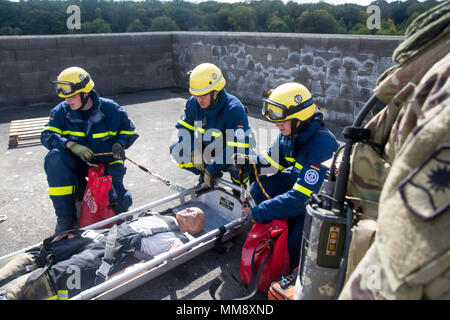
column 240, row 159
column 247, row 213
column 209, row 179
column 118, row 151
column 198, row 166
column 83, row 152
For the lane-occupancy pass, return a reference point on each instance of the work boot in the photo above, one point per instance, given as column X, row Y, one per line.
column 64, row 223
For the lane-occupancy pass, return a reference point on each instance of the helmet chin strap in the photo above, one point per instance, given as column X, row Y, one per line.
column 213, row 101
column 298, row 126
column 84, row 99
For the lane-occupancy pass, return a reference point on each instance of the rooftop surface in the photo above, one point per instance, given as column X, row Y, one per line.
column 30, row 216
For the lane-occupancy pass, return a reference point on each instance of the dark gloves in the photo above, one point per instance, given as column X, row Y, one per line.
column 209, row 179
column 199, row 166
column 240, row 159
column 118, row 151
column 83, row 152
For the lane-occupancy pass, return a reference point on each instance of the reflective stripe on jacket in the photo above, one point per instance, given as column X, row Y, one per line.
column 225, row 122
column 302, row 156
column 108, row 124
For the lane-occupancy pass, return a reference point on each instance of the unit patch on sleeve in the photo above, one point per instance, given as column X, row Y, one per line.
column 426, row 191
column 311, row 176
column 240, row 134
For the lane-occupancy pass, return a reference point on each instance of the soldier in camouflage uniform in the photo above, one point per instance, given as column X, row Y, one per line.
column 404, row 185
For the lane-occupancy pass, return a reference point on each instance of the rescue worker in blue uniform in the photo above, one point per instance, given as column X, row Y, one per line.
column 79, row 127
column 296, row 156
column 212, row 128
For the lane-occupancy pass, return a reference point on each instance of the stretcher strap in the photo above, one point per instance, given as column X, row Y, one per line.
column 111, row 249
column 218, row 247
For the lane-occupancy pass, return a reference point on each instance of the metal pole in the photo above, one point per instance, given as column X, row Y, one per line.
column 115, row 218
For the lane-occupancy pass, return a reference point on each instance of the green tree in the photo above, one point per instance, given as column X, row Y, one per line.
column 278, row 25
column 223, row 19
column 242, row 18
column 136, row 26
column 388, row 27
column 266, row 10
column 317, row 21
column 360, row 28
column 349, row 15
column 49, row 16
column 96, row 26
column 163, row 23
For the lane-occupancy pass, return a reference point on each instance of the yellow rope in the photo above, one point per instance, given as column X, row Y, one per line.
column 256, row 175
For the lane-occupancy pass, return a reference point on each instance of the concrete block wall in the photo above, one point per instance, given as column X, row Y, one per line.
column 118, row 63
column 339, row 70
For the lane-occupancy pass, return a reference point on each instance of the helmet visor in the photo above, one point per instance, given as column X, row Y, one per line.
column 273, row 110
column 278, row 112
column 65, row 88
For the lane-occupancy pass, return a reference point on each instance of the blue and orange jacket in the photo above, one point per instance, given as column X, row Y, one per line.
column 302, row 156
column 108, row 124
column 224, row 126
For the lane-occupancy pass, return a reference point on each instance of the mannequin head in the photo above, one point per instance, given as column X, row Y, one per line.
column 191, row 220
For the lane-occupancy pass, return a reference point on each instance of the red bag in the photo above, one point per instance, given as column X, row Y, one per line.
column 266, row 246
column 95, row 206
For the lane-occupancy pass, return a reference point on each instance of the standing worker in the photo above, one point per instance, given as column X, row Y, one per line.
column 296, row 156
column 213, row 127
column 79, row 127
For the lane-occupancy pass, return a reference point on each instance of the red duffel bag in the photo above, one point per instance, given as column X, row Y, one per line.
column 265, row 256
column 95, row 206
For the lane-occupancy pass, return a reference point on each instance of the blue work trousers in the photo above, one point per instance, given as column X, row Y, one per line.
column 63, row 169
column 275, row 185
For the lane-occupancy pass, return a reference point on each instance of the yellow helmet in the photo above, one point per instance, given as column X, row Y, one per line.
column 206, row 77
column 73, row 80
column 288, row 101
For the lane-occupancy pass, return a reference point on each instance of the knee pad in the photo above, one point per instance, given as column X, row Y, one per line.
column 55, row 157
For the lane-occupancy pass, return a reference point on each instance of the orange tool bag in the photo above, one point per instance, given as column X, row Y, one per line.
column 283, row 289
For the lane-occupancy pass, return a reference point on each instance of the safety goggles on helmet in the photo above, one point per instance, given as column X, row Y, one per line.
column 67, row 88
column 279, row 112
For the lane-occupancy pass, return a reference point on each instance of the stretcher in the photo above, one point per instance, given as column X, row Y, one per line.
column 224, row 220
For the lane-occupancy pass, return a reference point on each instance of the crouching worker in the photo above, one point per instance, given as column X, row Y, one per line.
column 79, row 127
column 213, row 126
column 67, row 264
column 295, row 157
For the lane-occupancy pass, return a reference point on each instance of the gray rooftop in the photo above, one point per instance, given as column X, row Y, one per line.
column 30, row 217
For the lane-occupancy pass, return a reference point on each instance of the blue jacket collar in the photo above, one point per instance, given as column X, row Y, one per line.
column 97, row 113
column 304, row 135
column 96, row 116
column 214, row 111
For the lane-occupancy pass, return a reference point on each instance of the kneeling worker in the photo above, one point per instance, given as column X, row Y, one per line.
column 82, row 125
column 295, row 156
column 212, row 128
column 67, row 264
